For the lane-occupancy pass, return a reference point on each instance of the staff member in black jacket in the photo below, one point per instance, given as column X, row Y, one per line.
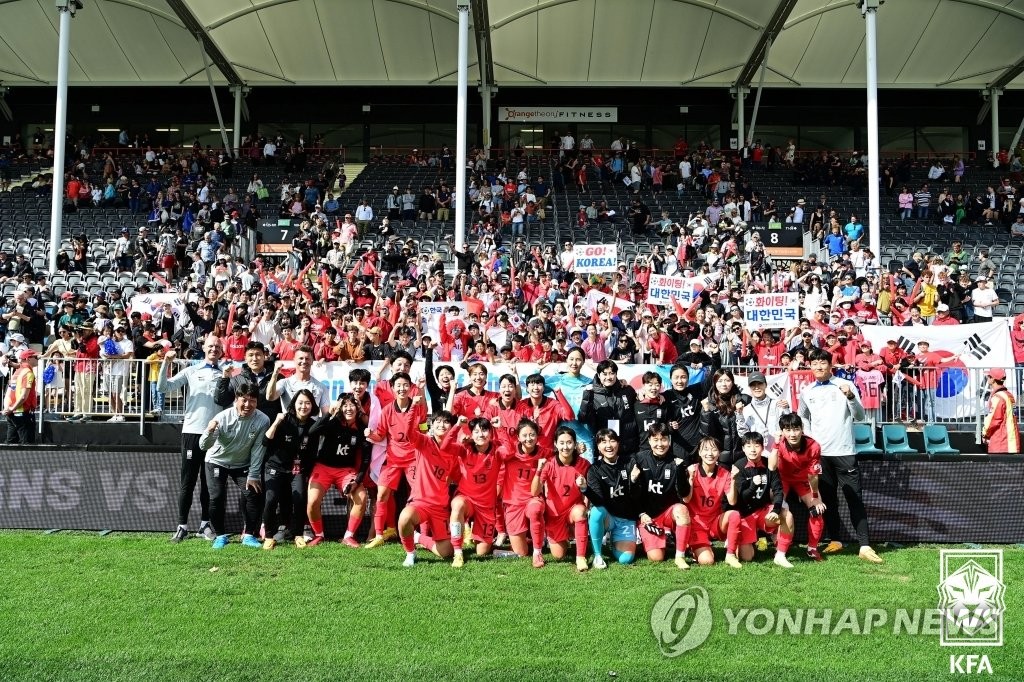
column 609, row 405
column 612, row 507
column 256, row 370
column 720, row 416
column 290, row 455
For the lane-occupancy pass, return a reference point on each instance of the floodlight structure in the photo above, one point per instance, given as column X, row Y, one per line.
column 869, row 8
column 67, row 10
column 460, row 125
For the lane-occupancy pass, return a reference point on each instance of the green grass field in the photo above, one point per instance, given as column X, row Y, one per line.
column 134, row 607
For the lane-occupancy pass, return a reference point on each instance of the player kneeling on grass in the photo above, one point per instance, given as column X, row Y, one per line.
column 797, row 458
column 341, row 461
column 659, row 482
column 709, row 486
column 558, row 501
column 436, row 463
column 517, row 490
column 757, row 495
column 291, row 454
column 612, row 507
column 480, row 459
column 234, row 450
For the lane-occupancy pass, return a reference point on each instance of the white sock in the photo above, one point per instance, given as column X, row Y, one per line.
column 680, row 555
column 202, row 525
column 183, row 527
column 458, row 551
column 349, row 534
column 455, row 528
column 780, row 554
column 537, row 552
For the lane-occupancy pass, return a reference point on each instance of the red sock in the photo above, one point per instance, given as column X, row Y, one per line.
column 378, row 517
column 580, row 530
column 682, row 537
column 317, row 526
column 389, row 513
column 535, row 513
column 427, row 542
column 499, row 517
column 353, row 523
column 732, row 533
column 408, row 543
column 783, row 542
column 815, row 527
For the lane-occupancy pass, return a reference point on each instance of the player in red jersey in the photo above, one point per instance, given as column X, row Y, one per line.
column 709, row 485
column 477, row 497
column 517, row 489
column 798, row 460
column 546, row 412
column 757, row 495
column 561, row 481
column 399, row 422
column 435, row 464
column 503, row 413
column 472, row 401
column 400, row 363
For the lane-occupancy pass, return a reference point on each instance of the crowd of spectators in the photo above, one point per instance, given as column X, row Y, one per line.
column 195, row 234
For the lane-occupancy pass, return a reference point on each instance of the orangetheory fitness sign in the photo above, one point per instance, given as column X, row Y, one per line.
column 557, row 114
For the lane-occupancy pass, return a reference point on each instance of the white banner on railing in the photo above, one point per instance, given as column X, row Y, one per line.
column 954, row 350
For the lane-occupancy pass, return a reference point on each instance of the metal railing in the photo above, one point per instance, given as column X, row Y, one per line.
column 953, row 395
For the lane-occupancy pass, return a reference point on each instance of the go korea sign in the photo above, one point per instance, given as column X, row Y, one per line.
column 595, row 258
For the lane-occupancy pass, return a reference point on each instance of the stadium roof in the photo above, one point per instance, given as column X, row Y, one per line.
column 703, row 43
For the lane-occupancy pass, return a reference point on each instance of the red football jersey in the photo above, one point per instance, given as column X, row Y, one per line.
column 466, row 403
column 401, row 429
column 560, row 490
column 548, row 416
column 428, row 478
column 708, row 491
column 480, row 471
column 796, row 466
column 519, row 471
column 509, row 416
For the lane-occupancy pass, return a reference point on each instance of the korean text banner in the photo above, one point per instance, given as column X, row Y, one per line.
column 771, row 311
column 661, row 289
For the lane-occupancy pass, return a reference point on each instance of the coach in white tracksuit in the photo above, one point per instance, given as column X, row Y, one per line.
column 829, row 407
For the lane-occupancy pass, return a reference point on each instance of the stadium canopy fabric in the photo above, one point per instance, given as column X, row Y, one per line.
column 704, row 43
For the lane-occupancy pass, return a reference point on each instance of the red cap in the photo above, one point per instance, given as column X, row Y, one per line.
column 997, row 373
column 146, row 316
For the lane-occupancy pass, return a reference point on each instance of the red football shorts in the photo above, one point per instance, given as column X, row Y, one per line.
column 704, row 529
column 664, row 521
column 391, row 475
column 516, row 522
column 326, row 476
column 753, row 523
column 556, row 526
column 483, row 521
column 802, row 487
column 433, row 518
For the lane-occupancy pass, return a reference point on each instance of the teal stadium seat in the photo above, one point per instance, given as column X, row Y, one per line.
column 894, row 441
column 936, row 441
column 864, row 439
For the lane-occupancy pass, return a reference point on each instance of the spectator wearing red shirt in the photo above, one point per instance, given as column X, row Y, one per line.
column 942, row 316
column 235, row 343
column 867, row 359
column 663, row 350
